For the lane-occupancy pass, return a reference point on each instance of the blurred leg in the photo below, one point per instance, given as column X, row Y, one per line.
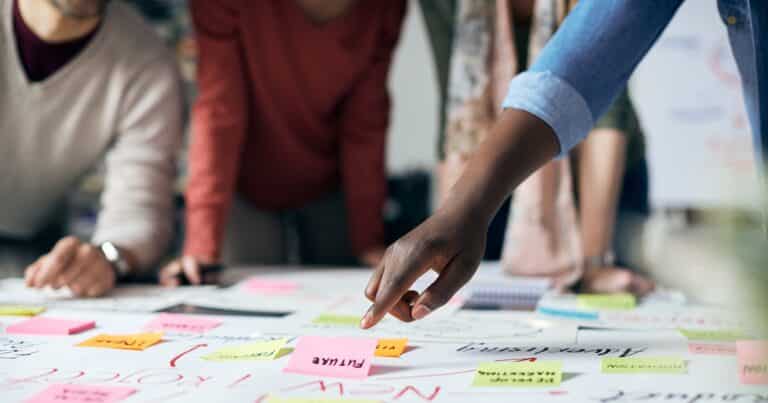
column 254, row 237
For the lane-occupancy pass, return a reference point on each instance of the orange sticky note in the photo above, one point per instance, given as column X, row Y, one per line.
column 340, row 357
column 82, row 394
column 753, row 361
column 138, row 341
column 391, row 347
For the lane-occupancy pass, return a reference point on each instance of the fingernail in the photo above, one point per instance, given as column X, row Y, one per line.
column 365, row 323
column 420, row 311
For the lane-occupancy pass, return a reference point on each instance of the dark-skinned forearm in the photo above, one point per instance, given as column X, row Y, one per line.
column 518, row 144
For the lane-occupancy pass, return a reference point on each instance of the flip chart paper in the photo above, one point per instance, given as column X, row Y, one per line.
column 712, row 348
column 643, row 365
column 275, row 399
column 519, row 374
column 179, row 323
column 138, row 341
column 71, row 393
column 261, row 350
column 341, row 357
column 712, row 335
column 337, row 320
column 53, row 326
column 620, row 301
column 753, row 361
column 391, row 347
column 270, row 286
column 20, row 310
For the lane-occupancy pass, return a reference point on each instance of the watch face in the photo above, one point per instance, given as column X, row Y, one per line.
column 110, row 252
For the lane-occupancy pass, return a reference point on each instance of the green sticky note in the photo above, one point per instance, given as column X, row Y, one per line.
column 519, row 374
column 618, row 301
column 337, row 320
column 260, row 350
column 713, row 335
column 275, row 399
column 20, row 310
column 644, row 365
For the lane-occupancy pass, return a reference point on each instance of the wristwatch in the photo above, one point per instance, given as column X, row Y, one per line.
column 116, row 260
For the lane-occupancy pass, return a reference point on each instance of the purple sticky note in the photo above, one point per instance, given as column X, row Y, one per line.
column 340, row 357
column 179, row 323
column 81, row 394
column 261, row 285
column 753, row 361
column 45, row 325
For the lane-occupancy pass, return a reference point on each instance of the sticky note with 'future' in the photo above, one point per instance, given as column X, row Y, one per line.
column 391, row 347
column 519, row 374
column 51, row 326
column 179, row 323
column 138, row 341
column 643, row 365
column 260, row 350
column 20, row 310
column 71, row 393
column 340, row 357
column 620, row 301
column 753, row 361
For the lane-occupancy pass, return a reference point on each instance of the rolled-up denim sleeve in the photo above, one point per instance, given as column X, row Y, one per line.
column 587, row 63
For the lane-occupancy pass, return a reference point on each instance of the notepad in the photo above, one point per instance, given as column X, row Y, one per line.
column 620, row 301
column 275, row 399
column 337, row 320
column 753, row 361
column 20, row 310
column 643, row 365
column 74, row 393
column 519, row 374
column 260, row 350
column 341, row 357
column 712, row 335
column 507, row 293
column 180, row 323
column 138, row 341
column 51, row 326
column 260, row 285
column 391, row 347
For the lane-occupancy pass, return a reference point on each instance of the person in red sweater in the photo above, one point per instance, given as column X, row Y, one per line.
column 288, row 133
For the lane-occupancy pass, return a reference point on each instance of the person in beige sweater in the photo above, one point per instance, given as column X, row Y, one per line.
column 85, row 81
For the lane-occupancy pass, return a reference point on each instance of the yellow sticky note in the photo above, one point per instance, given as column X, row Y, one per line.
column 644, row 365
column 275, row 399
column 138, row 341
column 390, row 347
column 712, row 335
column 519, row 374
column 260, row 350
column 20, row 310
column 337, row 320
column 618, row 301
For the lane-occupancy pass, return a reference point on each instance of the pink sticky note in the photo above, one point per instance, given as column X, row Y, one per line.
column 45, row 325
column 179, row 323
column 712, row 348
column 269, row 286
column 753, row 361
column 81, row 394
column 340, row 357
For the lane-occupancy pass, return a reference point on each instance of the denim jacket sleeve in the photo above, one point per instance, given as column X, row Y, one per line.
column 587, row 63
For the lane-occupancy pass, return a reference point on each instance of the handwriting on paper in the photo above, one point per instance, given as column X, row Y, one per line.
column 70, row 393
column 681, row 396
column 342, row 357
column 260, row 350
column 753, row 361
column 525, row 374
column 20, row 310
column 482, row 347
column 391, row 347
column 619, row 301
column 138, row 341
column 50, row 326
column 179, row 323
column 337, row 320
column 635, row 365
column 275, row 399
column 11, row 348
column 712, row 335
column 712, row 348
column 259, row 285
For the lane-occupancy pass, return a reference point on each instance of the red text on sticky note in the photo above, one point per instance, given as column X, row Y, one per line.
column 52, row 326
column 340, row 357
column 179, row 323
column 753, row 361
column 260, row 285
column 81, row 394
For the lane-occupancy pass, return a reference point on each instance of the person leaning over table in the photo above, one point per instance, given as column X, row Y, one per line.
column 490, row 42
column 85, row 81
column 549, row 109
column 289, row 130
